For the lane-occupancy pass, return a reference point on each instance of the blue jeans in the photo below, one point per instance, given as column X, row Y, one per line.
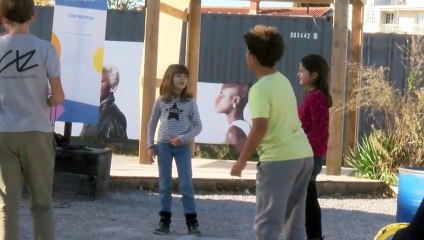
column 182, row 154
column 317, row 167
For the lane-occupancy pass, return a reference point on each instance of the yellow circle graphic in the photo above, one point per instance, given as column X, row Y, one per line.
column 56, row 43
column 98, row 60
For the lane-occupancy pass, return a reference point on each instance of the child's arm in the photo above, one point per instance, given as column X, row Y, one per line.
column 58, row 96
column 257, row 133
column 154, row 119
column 260, row 108
column 53, row 73
column 320, row 119
column 196, row 128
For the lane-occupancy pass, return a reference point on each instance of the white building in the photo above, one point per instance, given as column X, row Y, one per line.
column 394, row 16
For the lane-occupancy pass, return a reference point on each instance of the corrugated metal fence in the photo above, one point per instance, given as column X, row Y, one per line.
column 384, row 50
column 223, row 50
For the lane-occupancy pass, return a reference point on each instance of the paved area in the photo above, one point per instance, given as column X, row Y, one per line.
column 214, row 175
column 202, row 169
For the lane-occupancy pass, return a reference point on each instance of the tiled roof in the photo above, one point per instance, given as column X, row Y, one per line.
column 268, row 11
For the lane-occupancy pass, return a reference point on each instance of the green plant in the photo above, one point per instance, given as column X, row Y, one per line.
column 373, row 157
column 215, row 151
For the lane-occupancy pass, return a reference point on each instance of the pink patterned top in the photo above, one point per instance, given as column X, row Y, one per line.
column 314, row 115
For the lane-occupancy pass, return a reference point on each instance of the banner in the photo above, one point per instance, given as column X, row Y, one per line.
column 124, row 59
column 78, row 34
column 224, row 113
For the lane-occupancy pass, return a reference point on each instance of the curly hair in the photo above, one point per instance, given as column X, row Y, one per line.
column 266, row 44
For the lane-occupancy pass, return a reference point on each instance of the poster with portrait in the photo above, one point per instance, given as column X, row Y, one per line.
column 80, row 48
column 125, row 93
column 224, row 112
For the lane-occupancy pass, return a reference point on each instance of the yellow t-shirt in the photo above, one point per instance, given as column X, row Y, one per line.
column 272, row 97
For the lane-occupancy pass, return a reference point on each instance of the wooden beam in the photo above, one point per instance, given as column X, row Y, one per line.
column 193, row 47
column 337, row 86
column 193, row 44
column 148, row 81
column 351, row 137
column 172, row 11
column 158, row 82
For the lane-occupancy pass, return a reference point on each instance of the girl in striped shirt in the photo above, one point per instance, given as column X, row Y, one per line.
column 180, row 123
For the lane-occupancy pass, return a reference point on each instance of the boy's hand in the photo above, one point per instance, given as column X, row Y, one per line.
column 237, row 168
column 152, row 154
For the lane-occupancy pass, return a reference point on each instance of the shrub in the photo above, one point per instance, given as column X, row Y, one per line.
column 400, row 140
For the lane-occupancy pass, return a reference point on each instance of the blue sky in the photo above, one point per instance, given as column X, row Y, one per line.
column 243, row 3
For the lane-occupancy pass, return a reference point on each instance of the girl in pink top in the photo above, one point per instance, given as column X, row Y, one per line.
column 314, row 115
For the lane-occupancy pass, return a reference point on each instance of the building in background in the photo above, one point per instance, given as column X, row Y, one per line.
column 255, row 9
column 394, row 16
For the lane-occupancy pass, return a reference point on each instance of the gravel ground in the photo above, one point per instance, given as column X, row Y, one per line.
column 133, row 215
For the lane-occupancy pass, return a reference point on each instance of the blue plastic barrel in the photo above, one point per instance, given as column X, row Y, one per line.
column 410, row 193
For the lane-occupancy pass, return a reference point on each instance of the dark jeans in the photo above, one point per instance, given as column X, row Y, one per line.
column 313, row 210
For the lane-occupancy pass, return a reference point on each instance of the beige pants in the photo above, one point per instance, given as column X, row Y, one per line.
column 29, row 157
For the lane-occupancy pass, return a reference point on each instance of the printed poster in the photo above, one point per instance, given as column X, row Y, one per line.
column 122, row 60
column 78, row 34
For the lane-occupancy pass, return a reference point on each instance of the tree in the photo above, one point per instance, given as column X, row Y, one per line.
column 126, row 4
column 111, row 4
column 310, row 5
column 43, row 2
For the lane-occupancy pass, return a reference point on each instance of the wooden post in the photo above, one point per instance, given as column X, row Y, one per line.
column 355, row 59
column 193, row 44
column 337, row 85
column 67, row 135
column 193, row 47
column 148, row 81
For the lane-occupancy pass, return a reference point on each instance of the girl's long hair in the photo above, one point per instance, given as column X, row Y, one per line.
column 166, row 90
column 316, row 63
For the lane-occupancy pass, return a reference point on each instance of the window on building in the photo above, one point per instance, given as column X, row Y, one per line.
column 420, row 18
column 371, row 16
column 389, row 18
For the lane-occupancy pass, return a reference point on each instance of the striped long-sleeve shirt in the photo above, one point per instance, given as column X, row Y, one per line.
column 177, row 118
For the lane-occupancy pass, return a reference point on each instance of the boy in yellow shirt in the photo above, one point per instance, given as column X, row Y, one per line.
column 285, row 156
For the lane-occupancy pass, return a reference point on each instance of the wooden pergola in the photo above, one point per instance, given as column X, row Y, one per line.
column 190, row 11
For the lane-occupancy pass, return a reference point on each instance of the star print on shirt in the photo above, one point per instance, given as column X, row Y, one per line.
column 174, row 112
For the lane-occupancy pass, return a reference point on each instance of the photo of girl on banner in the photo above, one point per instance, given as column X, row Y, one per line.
column 224, row 114
column 231, row 101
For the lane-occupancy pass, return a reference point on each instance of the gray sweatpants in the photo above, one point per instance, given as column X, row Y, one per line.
column 280, row 199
